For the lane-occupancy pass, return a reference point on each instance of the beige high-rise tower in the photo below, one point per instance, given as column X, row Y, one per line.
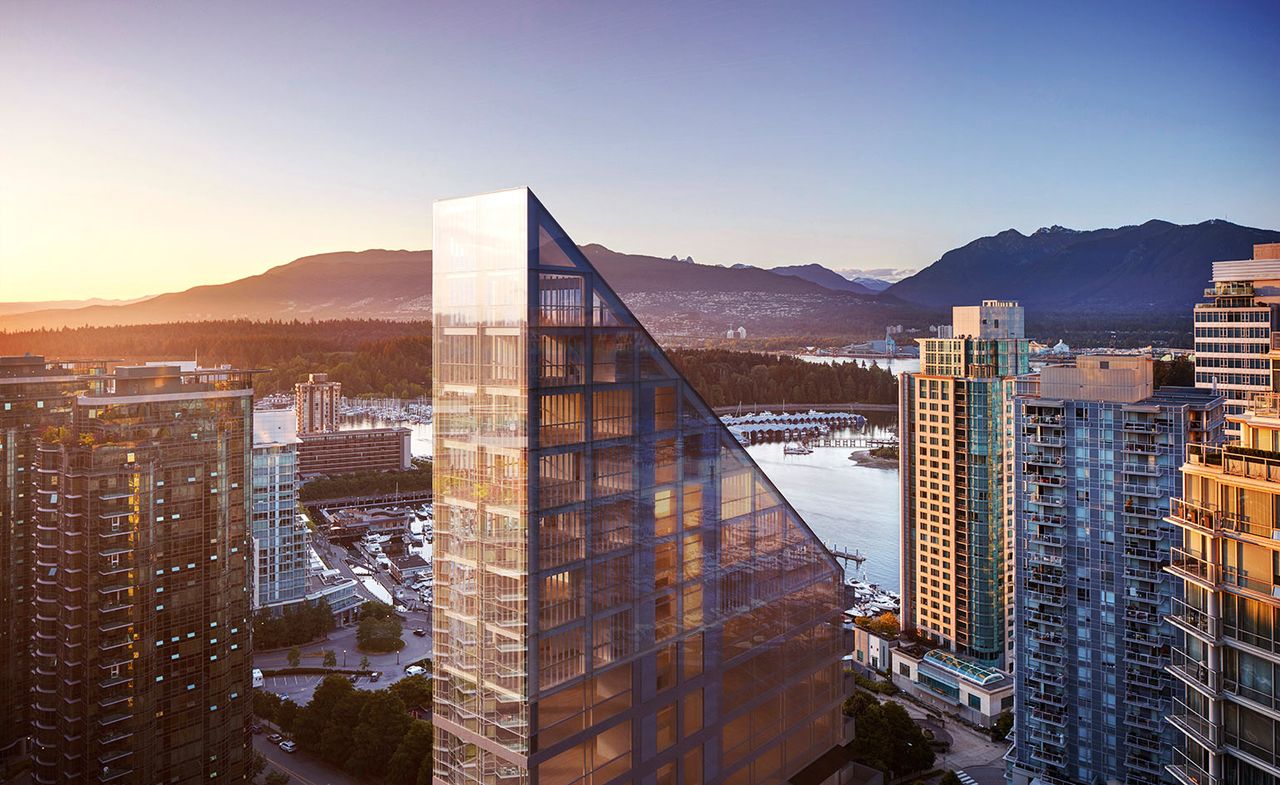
column 316, row 404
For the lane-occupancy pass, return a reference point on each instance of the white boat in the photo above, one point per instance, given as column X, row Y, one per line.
column 799, row 448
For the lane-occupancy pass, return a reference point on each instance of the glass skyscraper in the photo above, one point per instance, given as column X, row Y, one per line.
column 280, row 541
column 621, row 594
column 1098, row 451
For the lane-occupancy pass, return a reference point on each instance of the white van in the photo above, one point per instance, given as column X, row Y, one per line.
column 414, row 670
column 258, row 681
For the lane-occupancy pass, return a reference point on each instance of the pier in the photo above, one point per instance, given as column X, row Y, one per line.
column 855, row 442
column 846, row 555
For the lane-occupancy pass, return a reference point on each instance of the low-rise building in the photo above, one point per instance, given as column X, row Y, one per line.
column 952, row 683
column 405, row 568
column 347, row 524
column 348, row 452
column 873, row 650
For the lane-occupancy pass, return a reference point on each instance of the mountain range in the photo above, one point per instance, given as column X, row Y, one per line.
column 1156, row 268
column 1152, row 267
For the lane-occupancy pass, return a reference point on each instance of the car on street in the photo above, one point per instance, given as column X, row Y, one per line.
column 255, row 729
column 414, row 670
column 374, row 676
column 289, row 746
column 421, row 633
column 275, row 738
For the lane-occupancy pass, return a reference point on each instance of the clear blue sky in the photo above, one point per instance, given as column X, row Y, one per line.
column 152, row 146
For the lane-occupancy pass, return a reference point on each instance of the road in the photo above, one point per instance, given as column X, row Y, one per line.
column 301, row 767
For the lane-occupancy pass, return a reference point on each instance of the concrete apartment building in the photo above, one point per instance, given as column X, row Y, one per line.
column 1098, row 451
column 140, row 603
column 1233, row 328
column 1226, row 657
column 34, row 395
column 622, row 596
column 956, row 469
column 317, row 403
column 357, row 450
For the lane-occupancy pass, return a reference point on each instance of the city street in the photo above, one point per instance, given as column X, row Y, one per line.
column 301, row 767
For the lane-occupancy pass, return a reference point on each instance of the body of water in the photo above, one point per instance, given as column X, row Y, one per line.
column 895, row 365
column 846, row 504
column 420, row 444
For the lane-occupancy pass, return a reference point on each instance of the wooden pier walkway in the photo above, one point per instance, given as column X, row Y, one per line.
column 855, row 442
column 847, row 555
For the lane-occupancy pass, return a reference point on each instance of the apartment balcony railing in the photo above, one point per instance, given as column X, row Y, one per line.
column 1142, row 468
column 1045, row 419
column 1235, row 578
column 1194, row 621
column 1266, row 700
column 1236, row 461
column 1143, row 511
column 1141, row 532
column 1047, row 519
column 1148, row 491
column 1141, row 448
column 1039, row 459
column 1046, row 540
column 1194, row 725
column 1048, row 480
column 1193, row 566
column 1050, row 501
column 1194, row 672
column 1042, row 440
column 1186, row 772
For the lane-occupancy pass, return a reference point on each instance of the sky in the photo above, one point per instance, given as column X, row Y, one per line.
column 148, row 147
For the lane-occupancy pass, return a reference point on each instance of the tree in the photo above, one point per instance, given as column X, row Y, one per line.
column 413, row 749
column 266, row 705
column 1001, row 727
column 286, row 715
column 888, row 739
column 364, row 663
column 413, row 691
column 383, row 723
column 339, row 734
column 950, row 778
column 379, row 628
column 313, row 719
column 330, row 658
column 257, row 762
column 277, row 777
column 295, row 657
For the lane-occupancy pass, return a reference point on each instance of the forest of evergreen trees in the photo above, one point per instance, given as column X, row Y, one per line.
column 393, row 359
column 726, row 378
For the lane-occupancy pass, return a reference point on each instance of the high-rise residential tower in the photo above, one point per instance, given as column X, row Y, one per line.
column 141, row 603
column 1098, row 452
column 957, row 473
column 316, row 404
column 1233, row 328
column 1226, row 655
column 622, row 596
column 280, row 547
column 34, row 395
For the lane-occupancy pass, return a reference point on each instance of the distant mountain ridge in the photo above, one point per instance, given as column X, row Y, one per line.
column 1151, row 267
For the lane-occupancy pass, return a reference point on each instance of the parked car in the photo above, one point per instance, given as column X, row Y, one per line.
column 421, row 633
column 289, row 746
column 375, row 675
column 255, row 729
column 414, row 670
column 354, row 678
column 275, row 738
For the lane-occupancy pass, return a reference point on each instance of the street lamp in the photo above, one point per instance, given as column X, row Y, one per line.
column 344, row 658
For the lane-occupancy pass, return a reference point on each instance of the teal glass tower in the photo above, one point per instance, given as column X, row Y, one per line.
column 621, row 594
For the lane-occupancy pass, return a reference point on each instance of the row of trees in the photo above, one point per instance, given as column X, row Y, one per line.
column 369, row 734
column 726, row 378
column 379, row 629
column 417, row 478
column 300, row 623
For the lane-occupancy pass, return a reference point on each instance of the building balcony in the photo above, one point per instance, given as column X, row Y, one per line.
column 1045, row 419
column 1038, row 577
column 1040, row 459
column 1197, row 727
column 1042, row 440
column 1193, row 673
column 1146, row 491
column 113, row 773
column 1184, row 772
column 1264, row 587
column 1046, row 519
column 1143, row 511
column 1046, row 500
column 1135, row 531
column 1140, row 427
column 1192, row 566
column 1048, row 480
column 1194, row 621
column 1142, row 741
column 1046, row 540
column 1144, row 469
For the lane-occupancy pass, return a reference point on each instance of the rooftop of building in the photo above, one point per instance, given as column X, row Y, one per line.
column 274, row 427
column 22, row 367
column 409, row 562
column 352, row 434
column 171, row 379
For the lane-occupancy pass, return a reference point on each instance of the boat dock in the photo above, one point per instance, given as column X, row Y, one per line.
column 856, row 442
column 847, row 555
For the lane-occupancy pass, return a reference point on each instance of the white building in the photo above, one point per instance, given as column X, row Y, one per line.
column 317, row 402
column 1233, row 329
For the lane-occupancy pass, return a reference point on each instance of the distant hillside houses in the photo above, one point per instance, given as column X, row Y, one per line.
column 736, row 335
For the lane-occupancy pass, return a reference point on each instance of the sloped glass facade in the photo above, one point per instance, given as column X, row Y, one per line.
column 621, row 594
